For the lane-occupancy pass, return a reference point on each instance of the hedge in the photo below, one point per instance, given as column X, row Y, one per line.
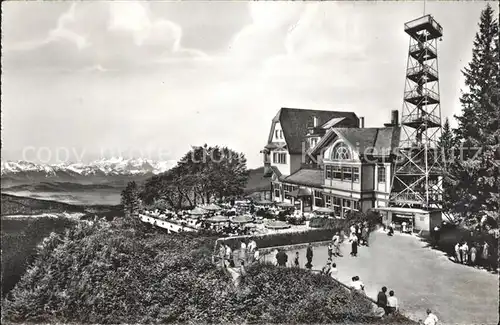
column 284, row 239
column 319, row 222
column 109, row 273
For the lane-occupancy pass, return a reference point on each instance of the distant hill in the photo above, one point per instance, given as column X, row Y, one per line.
column 257, row 182
column 12, row 205
column 63, row 187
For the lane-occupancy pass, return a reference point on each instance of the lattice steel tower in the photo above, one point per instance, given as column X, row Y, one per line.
column 417, row 181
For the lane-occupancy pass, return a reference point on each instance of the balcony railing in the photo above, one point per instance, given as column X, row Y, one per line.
column 424, row 21
column 422, row 47
column 414, row 94
column 422, row 69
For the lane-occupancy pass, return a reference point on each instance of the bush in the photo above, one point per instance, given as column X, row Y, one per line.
column 109, row 273
column 19, row 240
column 319, row 222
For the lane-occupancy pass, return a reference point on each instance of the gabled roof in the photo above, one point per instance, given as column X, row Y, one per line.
column 294, row 124
column 331, row 123
column 379, row 142
column 311, row 177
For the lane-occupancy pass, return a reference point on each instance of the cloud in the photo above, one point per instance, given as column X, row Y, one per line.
column 114, row 35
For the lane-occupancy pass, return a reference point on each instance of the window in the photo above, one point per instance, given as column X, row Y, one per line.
column 279, row 157
column 346, row 173
column 381, row 174
column 337, row 201
column 277, row 132
column 318, row 198
column 276, row 193
column 337, row 172
column 328, row 172
column 328, row 201
column 341, row 152
column 355, row 174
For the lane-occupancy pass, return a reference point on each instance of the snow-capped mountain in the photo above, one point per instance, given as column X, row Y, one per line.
column 102, row 170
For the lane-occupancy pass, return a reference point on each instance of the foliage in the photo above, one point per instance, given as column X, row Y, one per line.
column 447, row 144
column 475, row 172
column 321, row 222
column 110, row 273
column 130, row 199
column 290, row 295
column 203, row 174
column 19, row 239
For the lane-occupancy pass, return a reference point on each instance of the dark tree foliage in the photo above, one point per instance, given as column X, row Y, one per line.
column 203, row 175
column 111, row 273
column 447, row 146
column 130, row 199
column 475, row 172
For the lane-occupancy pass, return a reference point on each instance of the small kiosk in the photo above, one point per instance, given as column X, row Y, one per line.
column 422, row 221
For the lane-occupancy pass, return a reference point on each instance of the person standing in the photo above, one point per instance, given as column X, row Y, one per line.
column 282, row 258
column 485, row 255
column 431, row 318
column 465, row 253
column 392, row 303
column 473, row 254
column 243, row 251
column 330, row 251
column 222, row 254
column 229, row 256
column 382, row 299
column 296, row 262
column 354, row 245
column 336, row 244
column 458, row 255
column 309, row 256
column 364, row 235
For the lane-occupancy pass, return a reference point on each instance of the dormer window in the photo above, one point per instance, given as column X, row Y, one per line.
column 341, row 152
column 312, row 122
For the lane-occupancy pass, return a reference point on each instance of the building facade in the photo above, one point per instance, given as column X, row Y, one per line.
column 329, row 159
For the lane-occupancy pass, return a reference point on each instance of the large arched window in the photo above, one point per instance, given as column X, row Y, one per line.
column 341, row 152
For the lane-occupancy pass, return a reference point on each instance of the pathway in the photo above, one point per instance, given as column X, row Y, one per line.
column 421, row 278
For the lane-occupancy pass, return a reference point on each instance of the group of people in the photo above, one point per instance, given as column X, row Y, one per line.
column 248, row 252
column 359, row 234
column 388, row 303
column 474, row 255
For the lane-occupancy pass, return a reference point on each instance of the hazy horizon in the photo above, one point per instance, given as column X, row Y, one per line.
column 138, row 79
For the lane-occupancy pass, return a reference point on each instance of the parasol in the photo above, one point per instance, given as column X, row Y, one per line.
column 277, row 225
column 242, row 219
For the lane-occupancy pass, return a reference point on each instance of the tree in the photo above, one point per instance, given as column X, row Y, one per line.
column 446, row 146
column 476, row 172
column 130, row 199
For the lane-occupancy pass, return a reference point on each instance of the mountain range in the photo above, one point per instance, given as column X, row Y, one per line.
column 104, row 171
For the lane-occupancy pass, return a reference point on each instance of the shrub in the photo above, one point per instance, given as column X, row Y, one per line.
column 110, row 273
column 19, row 240
column 319, row 222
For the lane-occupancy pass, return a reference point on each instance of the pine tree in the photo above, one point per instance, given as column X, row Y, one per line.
column 476, row 171
column 446, row 147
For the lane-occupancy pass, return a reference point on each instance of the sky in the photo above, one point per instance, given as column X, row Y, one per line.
column 86, row 80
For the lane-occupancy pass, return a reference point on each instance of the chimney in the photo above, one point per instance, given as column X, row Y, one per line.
column 362, row 122
column 395, row 117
